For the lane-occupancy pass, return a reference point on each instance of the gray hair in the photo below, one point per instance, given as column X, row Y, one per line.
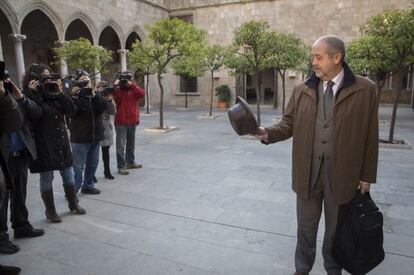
column 335, row 45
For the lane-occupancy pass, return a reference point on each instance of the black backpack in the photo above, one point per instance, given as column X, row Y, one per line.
column 358, row 244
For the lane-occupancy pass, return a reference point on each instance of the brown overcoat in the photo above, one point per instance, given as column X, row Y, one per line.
column 355, row 134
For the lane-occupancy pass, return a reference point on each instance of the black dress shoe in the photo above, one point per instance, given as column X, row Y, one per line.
column 91, row 191
column 109, row 176
column 9, row 270
column 7, row 247
column 28, row 232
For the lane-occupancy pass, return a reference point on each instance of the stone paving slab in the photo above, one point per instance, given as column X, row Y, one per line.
column 205, row 202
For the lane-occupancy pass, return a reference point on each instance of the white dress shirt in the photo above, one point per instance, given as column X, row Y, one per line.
column 336, row 80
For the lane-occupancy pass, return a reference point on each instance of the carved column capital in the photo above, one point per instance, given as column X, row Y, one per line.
column 17, row 37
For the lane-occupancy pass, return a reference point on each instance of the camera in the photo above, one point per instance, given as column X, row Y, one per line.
column 105, row 89
column 49, row 84
column 71, row 81
column 124, row 77
column 4, row 76
column 2, row 70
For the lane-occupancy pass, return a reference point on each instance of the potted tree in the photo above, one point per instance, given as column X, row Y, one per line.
column 223, row 94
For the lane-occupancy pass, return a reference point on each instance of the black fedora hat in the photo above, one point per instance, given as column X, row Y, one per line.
column 242, row 118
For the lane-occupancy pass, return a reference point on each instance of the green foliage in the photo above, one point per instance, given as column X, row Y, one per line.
column 206, row 58
column 306, row 66
column 223, row 93
column 214, row 57
column 171, row 39
column 387, row 45
column 238, row 66
column 81, row 53
column 395, row 27
column 372, row 56
column 250, row 48
column 140, row 58
column 190, row 65
column 286, row 52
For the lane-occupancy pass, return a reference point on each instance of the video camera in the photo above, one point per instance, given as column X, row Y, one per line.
column 47, row 82
column 124, row 77
column 4, row 76
column 2, row 70
column 71, row 81
column 107, row 90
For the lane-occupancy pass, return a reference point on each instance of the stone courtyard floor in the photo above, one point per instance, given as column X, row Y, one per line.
column 205, row 202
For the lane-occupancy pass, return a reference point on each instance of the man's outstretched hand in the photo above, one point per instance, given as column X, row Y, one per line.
column 261, row 134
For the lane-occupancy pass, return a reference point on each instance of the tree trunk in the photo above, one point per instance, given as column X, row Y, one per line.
column 282, row 75
column 211, row 95
column 161, row 126
column 147, row 94
column 380, row 88
column 257, row 88
column 394, row 116
column 379, row 91
column 186, row 99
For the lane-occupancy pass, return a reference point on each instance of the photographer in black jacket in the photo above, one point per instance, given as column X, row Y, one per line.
column 18, row 149
column 11, row 119
column 86, row 131
column 51, row 137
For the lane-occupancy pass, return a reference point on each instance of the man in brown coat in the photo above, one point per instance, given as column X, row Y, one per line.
column 333, row 119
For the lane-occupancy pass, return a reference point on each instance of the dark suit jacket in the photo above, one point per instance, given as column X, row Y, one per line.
column 11, row 119
column 31, row 113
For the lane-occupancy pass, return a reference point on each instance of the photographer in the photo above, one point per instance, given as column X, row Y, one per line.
column 107, row 92
column 11, row 119
column 127, row 94
column 18, row 150
column 86, row 131
column 51, row 137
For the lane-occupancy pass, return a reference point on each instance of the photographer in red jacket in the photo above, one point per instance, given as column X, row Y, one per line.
column 127, row 95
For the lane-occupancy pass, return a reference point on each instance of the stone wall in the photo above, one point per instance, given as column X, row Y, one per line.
column 308, row 19
column 124, row 16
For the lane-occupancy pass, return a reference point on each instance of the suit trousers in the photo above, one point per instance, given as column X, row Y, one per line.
column 18, row 168
column 308, row 215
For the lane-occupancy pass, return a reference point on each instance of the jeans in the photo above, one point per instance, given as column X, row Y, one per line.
column 85, row 159
column 125, row 154
column 46, row 179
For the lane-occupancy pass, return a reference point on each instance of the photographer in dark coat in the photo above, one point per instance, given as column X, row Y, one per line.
column 51, row 137
column 18, row 149
column 86, row 131
column 11, row 119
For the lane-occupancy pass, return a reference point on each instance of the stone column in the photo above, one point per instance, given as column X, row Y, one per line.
column 63, row 67
column 123, row 54
column 98, row 76
column 1, row 51
column 18, row 50
column 62, row 62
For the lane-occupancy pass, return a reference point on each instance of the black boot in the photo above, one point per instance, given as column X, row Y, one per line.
column 9, row 270
column 108, row 175
column 105, row 158
column 49, row 202
column 73, row 201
